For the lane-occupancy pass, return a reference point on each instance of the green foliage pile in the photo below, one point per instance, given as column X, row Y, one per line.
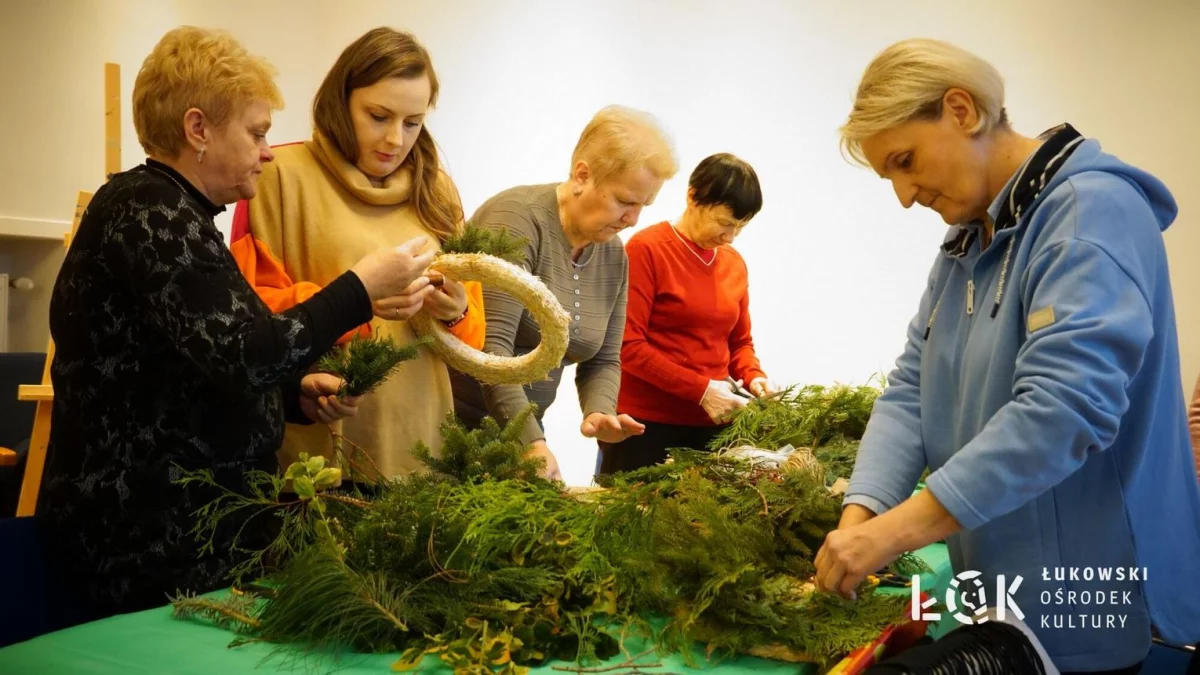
column 485, row 566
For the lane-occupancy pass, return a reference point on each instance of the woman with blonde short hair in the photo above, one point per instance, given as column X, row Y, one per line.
column 570, row 230
column 1040, row 381
column 165, row 358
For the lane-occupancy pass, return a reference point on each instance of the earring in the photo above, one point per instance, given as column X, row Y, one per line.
column 200, row 155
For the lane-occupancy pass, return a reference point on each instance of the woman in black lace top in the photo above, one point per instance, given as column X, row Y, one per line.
column 165, row 356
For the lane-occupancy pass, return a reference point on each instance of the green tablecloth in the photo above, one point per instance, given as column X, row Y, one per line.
column 154, row 642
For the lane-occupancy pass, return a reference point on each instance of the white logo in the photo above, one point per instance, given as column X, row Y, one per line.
column 973, row 598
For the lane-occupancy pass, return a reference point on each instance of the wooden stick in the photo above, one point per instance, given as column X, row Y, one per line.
column 112, row 119
column 39, row 440
column 35, row 392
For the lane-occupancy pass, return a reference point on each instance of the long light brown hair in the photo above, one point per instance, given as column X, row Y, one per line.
column 379, row 54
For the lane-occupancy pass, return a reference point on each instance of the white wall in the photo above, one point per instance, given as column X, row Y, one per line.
column 836, row 266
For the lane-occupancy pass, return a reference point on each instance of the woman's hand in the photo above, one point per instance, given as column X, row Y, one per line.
column 319, row 401
column 390, row 271
column 540, row 449
column 611, row 428
column 403, row 306
column 762, row 387
column 448, row 302
column 720, row 402
column 864, row 542
column 850, row 554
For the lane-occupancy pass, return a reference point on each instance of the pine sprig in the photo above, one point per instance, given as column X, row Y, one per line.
column 326, row 605
column 235, row 613
column 365, row 363
column 489, row 452
column 498, row 243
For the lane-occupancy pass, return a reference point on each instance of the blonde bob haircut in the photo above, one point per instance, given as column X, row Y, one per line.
column 194, row 67
column 907, row 81
column 620, row 139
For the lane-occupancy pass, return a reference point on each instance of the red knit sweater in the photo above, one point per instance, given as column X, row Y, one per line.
column 686, row 323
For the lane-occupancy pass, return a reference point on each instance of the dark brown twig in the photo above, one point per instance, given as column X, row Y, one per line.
column 354, row 466
column 631, row 664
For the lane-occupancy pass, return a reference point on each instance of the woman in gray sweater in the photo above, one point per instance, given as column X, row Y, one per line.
column 570, row 232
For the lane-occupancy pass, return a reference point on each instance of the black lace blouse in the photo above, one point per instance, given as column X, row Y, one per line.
column 164, row 356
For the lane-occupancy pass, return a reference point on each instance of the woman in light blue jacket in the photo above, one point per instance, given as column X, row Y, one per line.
column 1040, row 382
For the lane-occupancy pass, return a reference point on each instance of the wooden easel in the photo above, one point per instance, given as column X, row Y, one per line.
column 43, row 394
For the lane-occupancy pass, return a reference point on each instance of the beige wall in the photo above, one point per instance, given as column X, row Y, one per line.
column 836, row 266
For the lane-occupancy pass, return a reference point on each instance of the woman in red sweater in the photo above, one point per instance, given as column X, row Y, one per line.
column 687, row 325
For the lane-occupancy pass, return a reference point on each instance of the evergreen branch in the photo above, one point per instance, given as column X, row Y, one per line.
column 295, row 531
column 497, row 243
column 907, row 565
column 807, row 416
column 365, row 363
column 487, row 453
column 234, row 613
column 323, row 603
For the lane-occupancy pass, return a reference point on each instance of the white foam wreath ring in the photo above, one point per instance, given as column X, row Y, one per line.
column 527, row 289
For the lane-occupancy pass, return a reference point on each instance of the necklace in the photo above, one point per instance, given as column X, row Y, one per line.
column 169, row 177
column 706, row 263
column 562, row 222
column 579, row 265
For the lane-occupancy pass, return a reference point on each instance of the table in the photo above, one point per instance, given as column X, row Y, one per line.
column 154, row 642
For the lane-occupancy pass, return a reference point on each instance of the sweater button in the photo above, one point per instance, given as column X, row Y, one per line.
column 576, row 304
column 576, row 291
column 576, row 317
column 576, row 277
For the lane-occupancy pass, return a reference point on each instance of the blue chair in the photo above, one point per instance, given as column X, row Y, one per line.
column 16, row 423
column 34, row 603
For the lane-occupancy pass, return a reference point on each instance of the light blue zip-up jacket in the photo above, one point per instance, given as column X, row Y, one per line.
column 1041, row 385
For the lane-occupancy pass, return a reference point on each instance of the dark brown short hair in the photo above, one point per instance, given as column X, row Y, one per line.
column 379, row 54
column 724, row 180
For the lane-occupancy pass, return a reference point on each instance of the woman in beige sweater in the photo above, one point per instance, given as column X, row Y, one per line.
column 368, row 178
